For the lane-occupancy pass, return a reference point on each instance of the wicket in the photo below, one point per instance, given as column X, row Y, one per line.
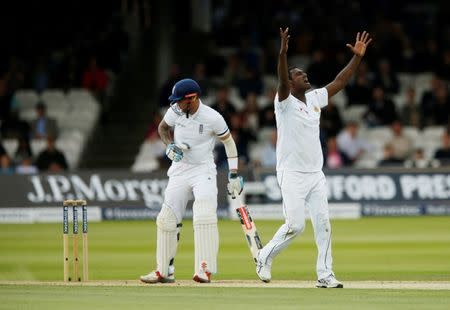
column 75, row 204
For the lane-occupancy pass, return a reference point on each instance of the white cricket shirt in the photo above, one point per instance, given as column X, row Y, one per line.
column 298, row 143
column 199, row 131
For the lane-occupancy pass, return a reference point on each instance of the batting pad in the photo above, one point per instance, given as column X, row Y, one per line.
column 206, row 234
column 166, row 240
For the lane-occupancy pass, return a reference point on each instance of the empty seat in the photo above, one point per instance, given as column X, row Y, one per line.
column 433, row 132
column 37, row 146
column 379, row 135
column 10, row 146
column 55, row 100
column 354, row 114
column 26, row 99
column 412, row 133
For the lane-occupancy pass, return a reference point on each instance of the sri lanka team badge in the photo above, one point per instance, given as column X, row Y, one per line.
column 316, row 109
column 200, row 129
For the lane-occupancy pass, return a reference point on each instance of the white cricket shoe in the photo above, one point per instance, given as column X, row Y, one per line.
column 156, row 277
column 329, row 282
column 203, row 275
column 263, row 270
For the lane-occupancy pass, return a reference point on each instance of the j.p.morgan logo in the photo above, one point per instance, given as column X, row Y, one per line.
column 56, row 188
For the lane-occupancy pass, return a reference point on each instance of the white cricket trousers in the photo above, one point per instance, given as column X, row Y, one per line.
column 181, row 189
column 300, row 190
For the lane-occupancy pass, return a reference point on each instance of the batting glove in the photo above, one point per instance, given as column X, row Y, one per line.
column 235, row 184
column 174, row 152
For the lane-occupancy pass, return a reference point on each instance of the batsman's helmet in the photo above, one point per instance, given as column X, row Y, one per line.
column 184, row 88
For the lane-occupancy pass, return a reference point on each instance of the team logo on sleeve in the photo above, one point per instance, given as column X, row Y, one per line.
column 316, row 109
column 200, row 129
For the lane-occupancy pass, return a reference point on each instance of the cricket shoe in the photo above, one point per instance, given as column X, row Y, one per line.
column 329, row 282
column 203, row 275
column 156, row 277
column 263, row 269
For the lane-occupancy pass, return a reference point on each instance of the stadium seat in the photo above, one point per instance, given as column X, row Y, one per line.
column 354, row 113
column 406, row 80
column 26, row 98
column 433, row 133
column 37, row 146
column 10, row 146
column 412, row 133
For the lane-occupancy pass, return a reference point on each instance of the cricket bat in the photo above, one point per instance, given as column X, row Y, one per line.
column 249, row 228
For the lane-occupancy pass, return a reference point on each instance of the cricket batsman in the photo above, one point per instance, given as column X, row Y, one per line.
column 192, row 175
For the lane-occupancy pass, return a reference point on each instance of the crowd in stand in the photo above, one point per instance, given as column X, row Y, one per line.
column 238, row 77
column 78, row 54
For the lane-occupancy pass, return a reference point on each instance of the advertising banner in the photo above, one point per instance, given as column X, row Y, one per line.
column 368, row 193
column 123, row 195
column 119, row 194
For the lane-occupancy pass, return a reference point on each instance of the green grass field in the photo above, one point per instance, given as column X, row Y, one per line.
column 385, row 249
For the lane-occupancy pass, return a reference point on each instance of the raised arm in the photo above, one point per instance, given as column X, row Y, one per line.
column 344, row 76
column 283, row 74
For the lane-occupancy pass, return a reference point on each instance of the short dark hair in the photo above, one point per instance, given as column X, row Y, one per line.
column 40, row 105
column 290, row 71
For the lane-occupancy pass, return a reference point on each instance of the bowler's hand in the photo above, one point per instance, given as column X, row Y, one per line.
column 361, row 44
column 284, row 36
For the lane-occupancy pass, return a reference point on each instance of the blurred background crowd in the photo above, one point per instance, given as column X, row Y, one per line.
column 88, row 89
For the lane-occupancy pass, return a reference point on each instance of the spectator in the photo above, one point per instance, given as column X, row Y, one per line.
column 266, row 111
column 251, row 113
column 389, row 159
column 386, row 78
column 359, row 89
column 402, row 146
column 23, row 150
column 427, row 57
column 410, row 113
column 2, row 148
column 15, row 75
column 14, row 127
column 443, row 153
column 95, row 80
column 249, row 55
column 156, row 151
column 418, row 160
column 330, row 120
column 429, row 99
column 443, row 70
column 251, row 82
column 6, row 166
column 51, row 159
column 43, row 126
column 381, row 110
column 333, row 157
column 166, row 88
column 319, row 69
column 268, row 153
column 242, row 137
column 200, row 75
column 26, row 166
column 441, row 107
column 41, row 78
column 223, row 105
column 5, row 100
column 234, row 70
column 352, row 146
